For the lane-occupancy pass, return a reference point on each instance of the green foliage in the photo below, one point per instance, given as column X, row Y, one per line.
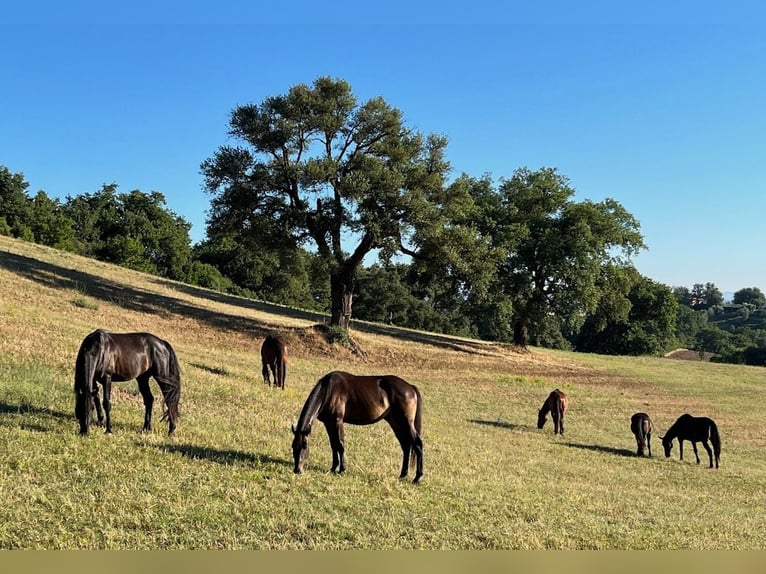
column 647, row 329
column 318, row 167
column 750, row 295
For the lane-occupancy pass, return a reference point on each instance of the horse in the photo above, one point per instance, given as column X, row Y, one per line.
column 641, row 426
column 557, row 403
column 340, row 397
column 105, row 357
column 694, row 429
column 274, row 357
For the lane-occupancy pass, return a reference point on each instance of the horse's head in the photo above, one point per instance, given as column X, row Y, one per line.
column 300, row 448
column 541, row 418
column 667, row 444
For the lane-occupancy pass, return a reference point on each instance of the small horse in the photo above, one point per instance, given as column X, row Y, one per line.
column 105, row 357
column 340, row 398
column 557, row 403
column 641, row 426
column 274, row 357
column 694, row 429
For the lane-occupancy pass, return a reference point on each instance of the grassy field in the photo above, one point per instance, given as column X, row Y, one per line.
column 225, row 480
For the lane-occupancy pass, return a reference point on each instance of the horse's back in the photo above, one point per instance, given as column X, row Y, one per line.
column 365, row 399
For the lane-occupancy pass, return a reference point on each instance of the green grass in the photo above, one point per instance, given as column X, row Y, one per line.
column 225, row 481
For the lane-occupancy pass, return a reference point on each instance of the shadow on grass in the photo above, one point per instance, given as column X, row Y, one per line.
column 7, row 410
column 212, row 370
column 606, row 449
column 502, row 424
column 225, row 457
column 145, row 301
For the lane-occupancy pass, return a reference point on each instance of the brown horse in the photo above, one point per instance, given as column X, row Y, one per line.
column 556, row 403
column 274, row 357
column 105, row 357
column 694, row 429
column 340, row 398
column 641, row 426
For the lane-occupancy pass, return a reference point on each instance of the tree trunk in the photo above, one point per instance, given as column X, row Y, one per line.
column 341, row 297
column 520, row 333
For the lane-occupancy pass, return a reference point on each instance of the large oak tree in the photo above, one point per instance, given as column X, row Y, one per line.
column 315, row 168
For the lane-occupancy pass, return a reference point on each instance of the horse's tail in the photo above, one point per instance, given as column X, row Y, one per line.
column 282, row 365
column 715, row 438
column 418, row 425
column 84, row 375
column 170, row 373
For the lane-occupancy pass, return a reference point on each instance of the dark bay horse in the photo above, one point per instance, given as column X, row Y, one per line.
column 105, row 357
column 274, row 357
column 694, row 429
column 340, row 398
column 641, row 426
column 556, row 403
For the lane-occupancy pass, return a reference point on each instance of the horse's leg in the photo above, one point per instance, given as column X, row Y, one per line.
column 107, row 384
column 335, row 445
column 341, row 445
column 561, row 423
column 709, row 452
column 265, row 373
column 146, row 393
column 97, row 404
column 681, row 448
column 694, row 447
column 404, row 437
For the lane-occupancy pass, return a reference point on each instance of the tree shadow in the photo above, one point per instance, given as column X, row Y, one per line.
column 606, row 449
column 501, row 424
column 145, row 301
column 225, row 457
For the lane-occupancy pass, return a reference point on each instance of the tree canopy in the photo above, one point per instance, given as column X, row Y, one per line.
column 315, row 167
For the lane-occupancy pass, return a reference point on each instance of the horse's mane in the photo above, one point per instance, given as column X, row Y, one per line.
column 313, row 404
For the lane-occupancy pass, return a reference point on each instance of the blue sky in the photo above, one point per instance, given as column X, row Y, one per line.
column 660, row 106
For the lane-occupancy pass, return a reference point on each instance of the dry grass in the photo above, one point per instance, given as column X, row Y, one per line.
column 225, row 481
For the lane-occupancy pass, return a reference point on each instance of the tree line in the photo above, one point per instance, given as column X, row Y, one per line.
column 337, row 206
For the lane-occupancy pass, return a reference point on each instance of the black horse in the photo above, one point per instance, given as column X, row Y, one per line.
column 556, row 403
column 694, row 429
column 641, row 426
column 340, row 398
column 105, row 357
column 274, row 358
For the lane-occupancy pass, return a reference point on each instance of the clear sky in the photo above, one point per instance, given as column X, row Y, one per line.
column 661, row 106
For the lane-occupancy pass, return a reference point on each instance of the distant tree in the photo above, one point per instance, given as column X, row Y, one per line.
column 316, row 167
column 705, row 296
column 750, row 295
column 683, row 296
column 132, row 229
column 557, row 249
column 688, row 323
column 712, row 339
column 648, row 328
column 15, row 206
column 49, row 224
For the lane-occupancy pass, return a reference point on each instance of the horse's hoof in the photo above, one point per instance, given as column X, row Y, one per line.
column 417, row 478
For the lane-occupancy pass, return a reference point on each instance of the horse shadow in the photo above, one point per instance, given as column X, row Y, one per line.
column 7, row 410
column 501, row 424
column 225, row 457
column 602, row 448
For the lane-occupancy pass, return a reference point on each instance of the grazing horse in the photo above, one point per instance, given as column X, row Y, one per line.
column 340, row 398
column 641, row 426
column 105, row 357
column 274, row 357
column 694, row 429
column 556, row 403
